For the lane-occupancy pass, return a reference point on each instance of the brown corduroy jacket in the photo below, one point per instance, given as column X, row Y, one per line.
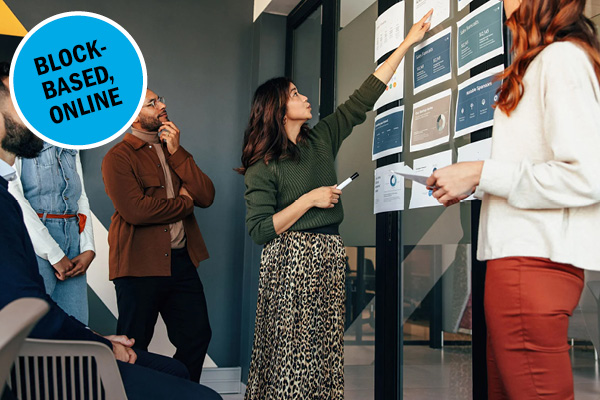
column 139, row 237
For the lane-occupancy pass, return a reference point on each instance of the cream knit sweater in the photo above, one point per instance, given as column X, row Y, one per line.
column 542, row 183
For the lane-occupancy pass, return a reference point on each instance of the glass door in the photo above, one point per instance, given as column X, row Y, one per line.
column 306, row 60
column 310, row 53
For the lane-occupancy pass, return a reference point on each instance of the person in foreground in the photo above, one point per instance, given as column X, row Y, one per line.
column 51, row 193
column 145, row 375
column 294, row 208
column 541, row 197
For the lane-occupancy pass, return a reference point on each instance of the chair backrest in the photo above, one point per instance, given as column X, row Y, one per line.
column 17, row 319
column 66, row 369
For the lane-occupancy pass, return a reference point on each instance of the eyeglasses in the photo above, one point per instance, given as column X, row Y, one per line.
column 154, row 102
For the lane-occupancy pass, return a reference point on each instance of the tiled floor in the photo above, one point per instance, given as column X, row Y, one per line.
column 446, row 374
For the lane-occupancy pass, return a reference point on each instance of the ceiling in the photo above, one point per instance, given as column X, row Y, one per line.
column 281, row 7
column 350, row 9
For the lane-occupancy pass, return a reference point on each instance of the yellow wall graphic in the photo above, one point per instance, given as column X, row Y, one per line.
column 9, row 24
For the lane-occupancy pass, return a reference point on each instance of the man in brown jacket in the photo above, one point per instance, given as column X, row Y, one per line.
column 155, row 243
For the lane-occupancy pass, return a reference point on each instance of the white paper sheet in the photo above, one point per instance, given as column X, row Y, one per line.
column 420, row 195
column 389, row 30
column 435, row 64
column 408, row 173
column 479, row 36
column 474, row 105
column 441, row 11
column 394, row 90
column 430, row 124
column 388, row 190
column 476, row 151
column 387, row 134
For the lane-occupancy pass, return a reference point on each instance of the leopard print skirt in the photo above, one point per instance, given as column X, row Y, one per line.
column 298, row 348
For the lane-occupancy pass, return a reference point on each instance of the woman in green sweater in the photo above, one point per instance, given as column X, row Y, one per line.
column 293, row 207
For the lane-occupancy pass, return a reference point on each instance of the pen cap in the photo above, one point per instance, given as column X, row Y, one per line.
column 354, row 176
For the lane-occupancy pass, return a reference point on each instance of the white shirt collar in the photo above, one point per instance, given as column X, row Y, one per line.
column 6, row 171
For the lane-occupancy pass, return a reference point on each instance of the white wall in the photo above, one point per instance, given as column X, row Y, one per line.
column 350, row 9
column 259, row 7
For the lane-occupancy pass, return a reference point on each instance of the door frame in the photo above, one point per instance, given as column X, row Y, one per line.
column 329, row 29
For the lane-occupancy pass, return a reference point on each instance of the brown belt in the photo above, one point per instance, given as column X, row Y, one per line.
column 82, row 218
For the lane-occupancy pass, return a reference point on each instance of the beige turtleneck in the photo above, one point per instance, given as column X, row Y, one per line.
column 177, row 231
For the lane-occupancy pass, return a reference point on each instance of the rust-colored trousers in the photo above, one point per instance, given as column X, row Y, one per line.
column 528, row 302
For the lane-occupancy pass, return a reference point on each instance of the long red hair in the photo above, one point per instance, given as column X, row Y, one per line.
column 535, row 25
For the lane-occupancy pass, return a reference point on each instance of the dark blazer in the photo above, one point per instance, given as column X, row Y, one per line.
column 139, row 237
column 19, row 276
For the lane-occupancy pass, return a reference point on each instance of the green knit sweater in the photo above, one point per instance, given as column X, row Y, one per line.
column 271, row 188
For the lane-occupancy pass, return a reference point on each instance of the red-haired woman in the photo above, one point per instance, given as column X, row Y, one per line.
column 293, row 208
column 542, row 197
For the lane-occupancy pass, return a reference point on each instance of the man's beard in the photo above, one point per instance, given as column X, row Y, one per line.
column 19, row 140
column 150, row 124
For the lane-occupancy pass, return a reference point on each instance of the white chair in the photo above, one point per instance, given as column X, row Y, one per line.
column 91, row 368
column 17, row 319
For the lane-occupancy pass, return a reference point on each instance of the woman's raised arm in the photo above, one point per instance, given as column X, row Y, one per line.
column 385, row 72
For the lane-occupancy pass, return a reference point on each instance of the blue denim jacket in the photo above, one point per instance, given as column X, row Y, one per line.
column 51, row 183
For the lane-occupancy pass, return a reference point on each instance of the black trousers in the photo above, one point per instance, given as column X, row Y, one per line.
column 157, row 377
column 179, row 299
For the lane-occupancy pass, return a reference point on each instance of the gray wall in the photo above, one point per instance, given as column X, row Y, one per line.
column 596, row 20
column 356, row 46
column 268, row 61
column 198, row 55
